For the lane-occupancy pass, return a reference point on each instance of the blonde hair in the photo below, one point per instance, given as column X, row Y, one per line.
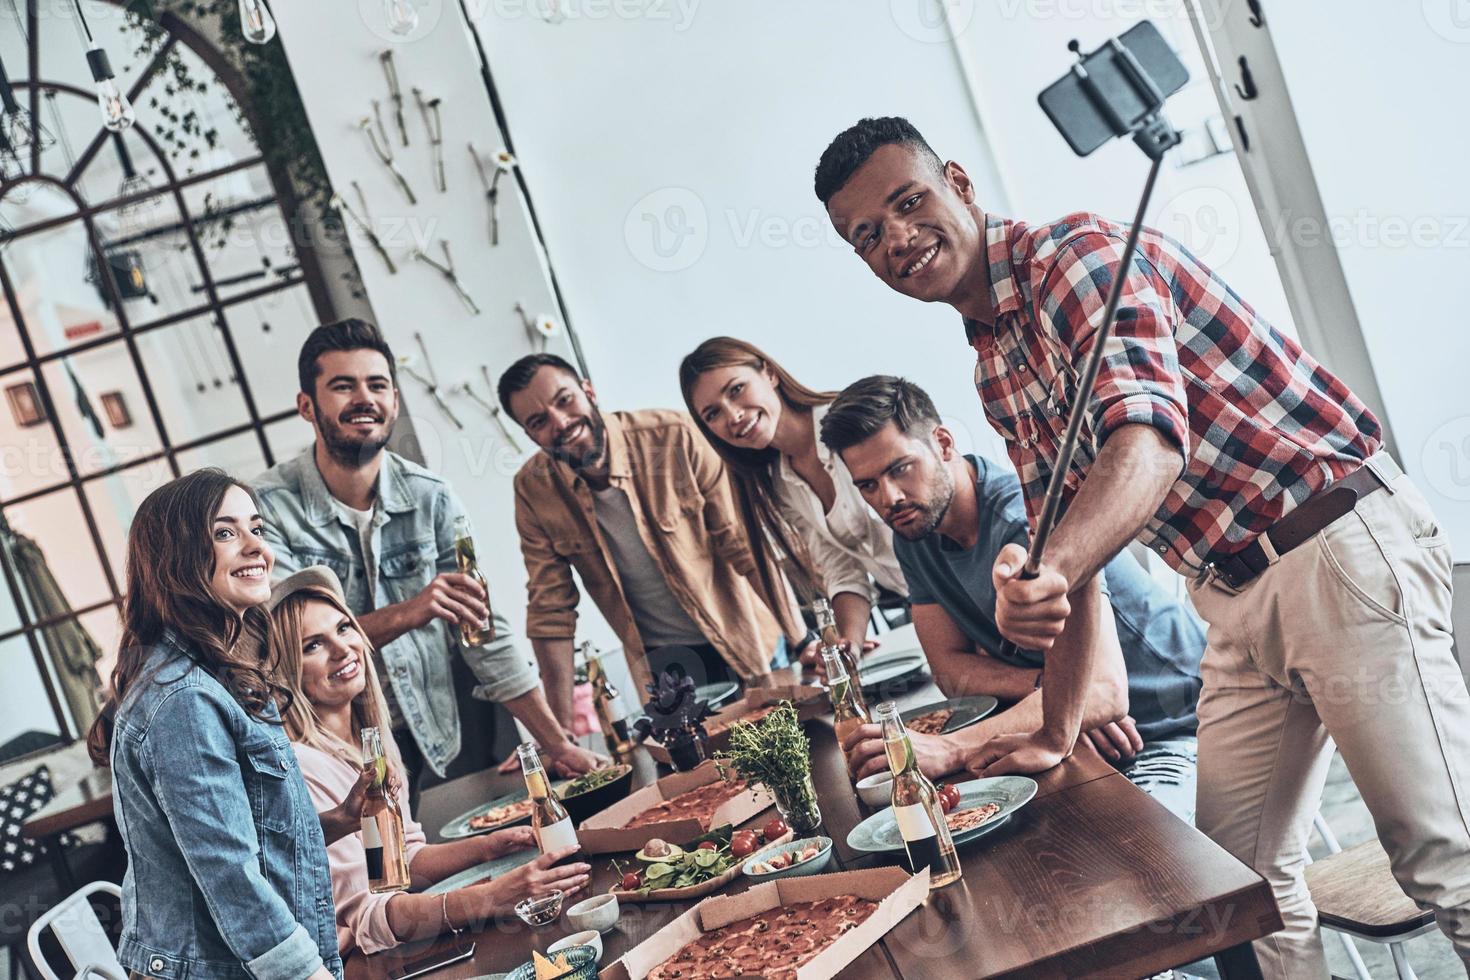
column 303, row 725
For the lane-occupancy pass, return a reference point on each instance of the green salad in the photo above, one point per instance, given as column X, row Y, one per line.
column 706, row 856
column 589, row 781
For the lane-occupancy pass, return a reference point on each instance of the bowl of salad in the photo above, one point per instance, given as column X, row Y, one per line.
column 595, row 791
column 807, row 856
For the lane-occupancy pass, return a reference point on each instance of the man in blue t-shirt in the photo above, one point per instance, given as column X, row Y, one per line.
column 953, row 513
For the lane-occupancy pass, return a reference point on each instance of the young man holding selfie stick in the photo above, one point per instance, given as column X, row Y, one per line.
column 1246, row 466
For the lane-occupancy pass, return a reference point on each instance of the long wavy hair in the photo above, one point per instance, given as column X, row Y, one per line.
column 303, row 724
column 752, row 471
column 170, row 565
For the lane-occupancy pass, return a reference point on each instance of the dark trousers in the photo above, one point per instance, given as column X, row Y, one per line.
column 702, row 662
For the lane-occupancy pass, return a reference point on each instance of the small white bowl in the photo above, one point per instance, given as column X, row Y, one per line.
column 876, row 790
column 591, row 938
column 598, row 913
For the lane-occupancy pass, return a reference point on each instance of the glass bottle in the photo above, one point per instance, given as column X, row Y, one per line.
column 550, row 820
column 827, row 627
column 464, row 554
column 607, row 703
column 382, row 824
column 916, row 809
column 849, row 710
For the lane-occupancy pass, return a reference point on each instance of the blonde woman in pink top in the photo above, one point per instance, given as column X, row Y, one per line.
column 324, row 661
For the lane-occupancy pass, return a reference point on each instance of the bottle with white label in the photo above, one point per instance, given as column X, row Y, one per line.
column 550, row 821
column 916, row 807
column 607, row 703
column 382, row 823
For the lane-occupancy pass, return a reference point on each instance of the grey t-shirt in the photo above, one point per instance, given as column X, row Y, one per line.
column 661, row 621
column 1162, row 639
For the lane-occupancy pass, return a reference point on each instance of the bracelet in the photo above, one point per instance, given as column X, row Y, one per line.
column 444, row 914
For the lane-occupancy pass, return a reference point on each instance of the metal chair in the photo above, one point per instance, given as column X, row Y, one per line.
column 1357, row 897
column 77, row 929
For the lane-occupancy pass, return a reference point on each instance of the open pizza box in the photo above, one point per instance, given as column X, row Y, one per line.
column 896, row 891
column 607, row 832
column 810, row 702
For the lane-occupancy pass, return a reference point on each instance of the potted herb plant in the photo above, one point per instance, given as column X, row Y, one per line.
column 774, row 752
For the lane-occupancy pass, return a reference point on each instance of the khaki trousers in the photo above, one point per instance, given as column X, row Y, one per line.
column 1347, row 639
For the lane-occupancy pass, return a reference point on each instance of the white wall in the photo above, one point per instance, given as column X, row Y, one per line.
column 670, row 152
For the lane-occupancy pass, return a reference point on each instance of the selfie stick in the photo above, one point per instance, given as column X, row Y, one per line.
column 1154, row 136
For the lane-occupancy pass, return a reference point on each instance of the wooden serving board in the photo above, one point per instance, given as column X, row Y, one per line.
column 704, row 887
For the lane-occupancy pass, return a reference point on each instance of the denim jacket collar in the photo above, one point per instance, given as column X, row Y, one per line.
column 320, row 506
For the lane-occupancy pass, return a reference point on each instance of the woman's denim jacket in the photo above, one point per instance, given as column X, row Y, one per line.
column 227, row 868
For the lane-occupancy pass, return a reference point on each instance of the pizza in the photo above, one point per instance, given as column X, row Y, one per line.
column 932, row 723
column 716, row 724
column 501, row 815
column 774, row 943
column 959, row 820
column 699, row 803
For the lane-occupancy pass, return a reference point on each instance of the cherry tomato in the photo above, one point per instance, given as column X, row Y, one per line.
column 708, row 845
column 631, row 882
column 949, row 797
column 780, row 861
column 774, row 828
column 742, row 845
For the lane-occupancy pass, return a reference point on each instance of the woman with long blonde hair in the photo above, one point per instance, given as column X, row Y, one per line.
column 323, row 658
column 764, row 424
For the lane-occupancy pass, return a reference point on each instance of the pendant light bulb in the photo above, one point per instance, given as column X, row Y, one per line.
column 117, row 111
column 256, row 22
column 403, row 17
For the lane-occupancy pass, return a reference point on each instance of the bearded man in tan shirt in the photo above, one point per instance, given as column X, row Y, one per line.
column 638, row 503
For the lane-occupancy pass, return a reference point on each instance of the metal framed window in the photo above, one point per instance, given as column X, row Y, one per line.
column 179, row 351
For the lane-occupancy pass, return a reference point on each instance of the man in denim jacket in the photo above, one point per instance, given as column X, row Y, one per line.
column 386, row 527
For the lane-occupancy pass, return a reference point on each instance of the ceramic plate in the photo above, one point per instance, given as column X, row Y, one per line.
column 493, row 868
column 716, row 694
column 884, row 667
column 879, row 833
column 967, row 711
column 460, row 825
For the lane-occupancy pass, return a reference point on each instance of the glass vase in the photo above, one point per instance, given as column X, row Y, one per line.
column 797, row 805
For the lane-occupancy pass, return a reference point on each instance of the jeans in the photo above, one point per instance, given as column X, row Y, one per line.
column 1166, row 770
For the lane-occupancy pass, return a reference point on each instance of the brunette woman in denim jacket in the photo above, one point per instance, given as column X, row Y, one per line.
column 227, row 869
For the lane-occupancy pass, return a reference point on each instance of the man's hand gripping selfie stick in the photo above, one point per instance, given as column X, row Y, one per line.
column 1126, row 100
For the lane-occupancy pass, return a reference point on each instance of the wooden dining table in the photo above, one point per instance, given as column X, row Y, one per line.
column 86, row 801
column 1091, row 878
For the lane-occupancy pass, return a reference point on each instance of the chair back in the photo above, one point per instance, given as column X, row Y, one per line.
column 75, row 924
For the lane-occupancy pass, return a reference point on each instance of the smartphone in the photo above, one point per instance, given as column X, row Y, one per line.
column 1075, row 110
column 462, row 950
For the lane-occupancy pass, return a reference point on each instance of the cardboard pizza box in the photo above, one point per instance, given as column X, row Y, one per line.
column 896, row 891
column 607, row 832
column 810, row 702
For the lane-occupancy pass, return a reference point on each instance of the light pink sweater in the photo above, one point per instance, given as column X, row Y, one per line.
column 362, row 917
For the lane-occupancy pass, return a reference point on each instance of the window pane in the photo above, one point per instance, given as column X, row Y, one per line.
column 189, row 370
column 24, row 706
column 56, row 524
column 289, row 437
column 240, row 456
column 59, row 304
column 99, row 400
column 30, row 457
column 269, row 332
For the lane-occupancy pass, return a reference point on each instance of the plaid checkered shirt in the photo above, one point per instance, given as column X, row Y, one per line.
column 1261, row 426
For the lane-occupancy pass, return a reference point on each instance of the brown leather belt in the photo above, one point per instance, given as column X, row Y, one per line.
column 1308, row 518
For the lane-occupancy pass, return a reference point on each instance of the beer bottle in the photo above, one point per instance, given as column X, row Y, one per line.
column 827, row 627
column 848, row 708
column 464, row 554
column 607, row 703
column 550, row 821
column 921, row 823
column 382, row 824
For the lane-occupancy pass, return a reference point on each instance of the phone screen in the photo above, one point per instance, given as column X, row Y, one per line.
column 462, row 950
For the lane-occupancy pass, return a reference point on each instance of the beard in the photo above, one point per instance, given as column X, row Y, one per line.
column 349, row 450
column 578, row 459
column 940, row 494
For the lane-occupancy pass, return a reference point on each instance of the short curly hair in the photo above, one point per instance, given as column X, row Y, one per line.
column 853, row 146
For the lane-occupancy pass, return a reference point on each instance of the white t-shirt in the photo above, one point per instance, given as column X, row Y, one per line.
column 661, row 621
